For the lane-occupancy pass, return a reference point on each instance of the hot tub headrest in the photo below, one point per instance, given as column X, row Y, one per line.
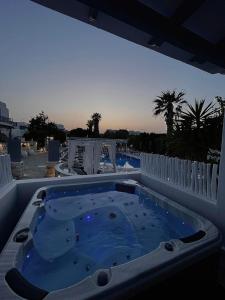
column 126, row 188
column 194, row 237
column 22, row 287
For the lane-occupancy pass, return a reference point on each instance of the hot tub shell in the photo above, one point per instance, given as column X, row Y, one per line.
column 170, row 256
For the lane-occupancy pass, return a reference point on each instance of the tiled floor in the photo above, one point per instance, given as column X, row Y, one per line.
column 201, row 278
column 35, row 165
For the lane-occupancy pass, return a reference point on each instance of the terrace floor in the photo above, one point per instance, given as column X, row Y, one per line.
column 200, row 278
column 35, row 165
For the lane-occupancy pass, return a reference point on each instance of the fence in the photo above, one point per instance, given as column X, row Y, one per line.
column 5, row 169
column 196, row 177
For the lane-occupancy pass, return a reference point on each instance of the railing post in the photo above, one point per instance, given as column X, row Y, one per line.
column 14, row 150
column 196, row 177
column 221, row 178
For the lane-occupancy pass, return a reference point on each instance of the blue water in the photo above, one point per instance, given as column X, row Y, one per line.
column 122, row 159
column 92, row 227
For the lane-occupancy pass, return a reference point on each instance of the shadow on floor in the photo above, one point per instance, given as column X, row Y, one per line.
column 201, row 278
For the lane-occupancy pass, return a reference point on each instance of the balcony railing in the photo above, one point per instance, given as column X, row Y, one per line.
column 195, row 177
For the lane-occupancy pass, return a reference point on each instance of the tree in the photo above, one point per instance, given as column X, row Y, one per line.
column 221, row 101
column 198, row 129
column 78, row 132
column 59, row 135
column 116, row 134
column 37, row 129
column 89, row 128
column 40, row 128
column 169, row 103
column 96, row 118
column 148, row 142
column 198, row 114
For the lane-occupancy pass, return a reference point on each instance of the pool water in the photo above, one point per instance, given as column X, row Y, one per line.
column 122, row 160
column 95, row 227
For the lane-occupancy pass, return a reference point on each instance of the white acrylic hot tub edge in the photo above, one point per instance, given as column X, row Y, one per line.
column 150, row 264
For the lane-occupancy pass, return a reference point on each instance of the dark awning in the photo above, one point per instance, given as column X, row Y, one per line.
column 192, row 31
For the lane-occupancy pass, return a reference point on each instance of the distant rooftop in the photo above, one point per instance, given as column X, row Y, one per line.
column 60, row 126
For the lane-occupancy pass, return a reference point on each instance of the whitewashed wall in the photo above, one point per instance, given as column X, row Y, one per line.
column 195, row 177
column 5, row 170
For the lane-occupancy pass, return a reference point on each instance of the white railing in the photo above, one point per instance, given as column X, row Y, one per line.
column 195, row 177
column 137, row 153
column 5, row 170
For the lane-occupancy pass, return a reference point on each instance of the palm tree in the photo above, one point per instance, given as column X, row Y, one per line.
column 169, row 103
column 198, row 114
column 89, row 127
column 221, row 102
column 96, row 118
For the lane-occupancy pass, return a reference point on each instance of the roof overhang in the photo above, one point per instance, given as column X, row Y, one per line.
column 189, row 31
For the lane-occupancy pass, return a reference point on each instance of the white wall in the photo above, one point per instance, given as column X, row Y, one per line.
column 4, row 112
column 17, row 131
column 9, row 211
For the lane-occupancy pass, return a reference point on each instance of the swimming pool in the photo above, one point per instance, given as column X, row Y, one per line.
column 89, row 239
column 123, row 160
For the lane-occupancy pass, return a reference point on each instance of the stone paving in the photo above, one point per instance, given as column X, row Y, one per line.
column 35, row 165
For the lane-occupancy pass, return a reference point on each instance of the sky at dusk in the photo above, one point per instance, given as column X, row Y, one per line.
column 70, row 70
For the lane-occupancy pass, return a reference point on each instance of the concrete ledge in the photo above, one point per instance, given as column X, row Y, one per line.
column 26, row 188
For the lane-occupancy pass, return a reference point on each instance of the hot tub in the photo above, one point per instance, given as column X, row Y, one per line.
column 96, row 240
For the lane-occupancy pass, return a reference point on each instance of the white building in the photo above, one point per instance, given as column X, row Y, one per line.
column 19, row 129
column 6, row 124
column 60, row 127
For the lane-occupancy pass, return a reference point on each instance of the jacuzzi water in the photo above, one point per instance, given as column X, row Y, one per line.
column 91, row 227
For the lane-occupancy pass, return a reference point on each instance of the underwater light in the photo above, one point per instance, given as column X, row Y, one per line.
column 88, row 218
